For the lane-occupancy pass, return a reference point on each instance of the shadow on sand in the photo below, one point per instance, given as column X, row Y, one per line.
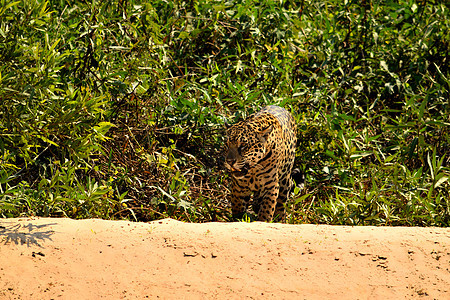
column 29, row 235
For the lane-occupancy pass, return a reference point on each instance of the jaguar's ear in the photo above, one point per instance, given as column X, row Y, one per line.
column 264, row 133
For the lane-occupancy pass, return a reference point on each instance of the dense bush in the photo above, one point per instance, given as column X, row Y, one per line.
column 115, row 109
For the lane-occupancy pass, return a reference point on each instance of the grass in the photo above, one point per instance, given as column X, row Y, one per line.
column 115, row 110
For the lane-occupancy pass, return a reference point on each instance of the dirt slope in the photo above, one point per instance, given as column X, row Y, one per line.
column 47, row 258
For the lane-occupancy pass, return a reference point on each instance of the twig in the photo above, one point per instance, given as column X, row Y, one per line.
column 136, row 208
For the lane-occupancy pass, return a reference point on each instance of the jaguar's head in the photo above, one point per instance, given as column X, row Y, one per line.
column 247, row 145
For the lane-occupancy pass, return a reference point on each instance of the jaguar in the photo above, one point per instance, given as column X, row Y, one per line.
column 260, row 153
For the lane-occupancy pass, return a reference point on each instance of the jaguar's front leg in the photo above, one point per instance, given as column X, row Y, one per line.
column 239, row 206
column 240, row 198
column 268, row 203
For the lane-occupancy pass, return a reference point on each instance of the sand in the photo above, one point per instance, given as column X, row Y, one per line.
column 49, row 258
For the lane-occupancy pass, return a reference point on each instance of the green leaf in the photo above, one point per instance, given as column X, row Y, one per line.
column 440, row 179
column 422, row 108
column 47, row 140
column 8, row 6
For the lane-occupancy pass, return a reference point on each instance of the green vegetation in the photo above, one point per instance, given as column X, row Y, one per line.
column 115, row 109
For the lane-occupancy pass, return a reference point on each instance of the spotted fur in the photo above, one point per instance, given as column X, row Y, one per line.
column 260, row 156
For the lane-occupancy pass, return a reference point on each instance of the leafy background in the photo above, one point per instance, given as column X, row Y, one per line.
column 115, row 109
